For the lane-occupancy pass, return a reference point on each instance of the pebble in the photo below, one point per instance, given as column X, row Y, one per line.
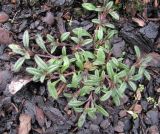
column 153, row 130
column 3, row 17
column 153, row 116
column 49, row 18
column 5, row 36
column 5, row 77
column 124, row 99
column 120, row 127
column 122, row 113
column 118, row 48
column 98, row 119
column 94, row 127
column 105, row 124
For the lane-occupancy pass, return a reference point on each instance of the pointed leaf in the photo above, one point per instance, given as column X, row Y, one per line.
column 26, row 39
column 18, row 64
column 65, row 36
column 106, row 95
column 81, row 119
column 89, row 6
column 52, row 89
column 41, row 43
column 41, row 64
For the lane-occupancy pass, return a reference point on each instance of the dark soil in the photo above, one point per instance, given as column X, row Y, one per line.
column 53, row 117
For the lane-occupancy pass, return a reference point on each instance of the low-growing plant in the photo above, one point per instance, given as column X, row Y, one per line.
column 81, row 67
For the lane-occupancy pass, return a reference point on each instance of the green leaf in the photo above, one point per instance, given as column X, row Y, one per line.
column 91, row 112
column 17, row 49
column 41, row 64
column 34, row 71
column 79, row 61
column 26, row 39
column 110, row 70
column 132, row 70
column 100, row 33
column 75, row 80
column 109, row 5
column 66, row 63
column 65, row 36
column 101, row 55
column 86, row 42
column 115, row 61
column 147, row 75
column 111, row 33
column 85, row 90
column 97, row 21
column 114, row 15
column 75, row 103
column 137, row 50
column 53, row 49
column 53, row 68
column 78, row 109
column 81, row 32
column 132, row 85
column 41, row 43
column 50, row 38
column 106, row 95
column 101, row 110
column 42, row 78
column 137, row 77
column 122, row 88
column 18, row 64
column 109, row 25
column 62, row 78
column 89, row 6
column 75, row 39
column 81, row 119
column 52, row 89
column 116, row 100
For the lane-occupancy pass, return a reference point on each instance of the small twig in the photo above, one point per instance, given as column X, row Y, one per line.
column 48, row 56
column 154, row 19
column 65, row 75
column 62, row 87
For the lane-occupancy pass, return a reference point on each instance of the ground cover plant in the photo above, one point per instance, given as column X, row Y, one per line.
column 82, row 62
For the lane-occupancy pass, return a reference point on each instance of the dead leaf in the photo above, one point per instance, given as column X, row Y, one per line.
column 155, row 62
column 5, row 36
column 17, row 85
column 156, row 3
column 146, row 1
column 140, row 22
column 40, row 116
column 138, row 95
column 25, row 124
column 137, row 108
column 3, row 17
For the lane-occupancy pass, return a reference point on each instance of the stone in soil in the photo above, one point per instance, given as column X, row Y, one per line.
column 119, row 127
column 123, row 113
column 153, row 130
column 3, row 17
column 105, row 124
column 118, row 47
column 49, row 18
column 152, row 117
column 142, row 37
column 5, row 77
column 94, row 127
column 54, row 115
column 155, row 61
column 5, row 36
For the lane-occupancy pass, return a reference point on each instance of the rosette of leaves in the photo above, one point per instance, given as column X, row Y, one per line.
column 86, row 77
column 22, row 51
column 104, row 28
